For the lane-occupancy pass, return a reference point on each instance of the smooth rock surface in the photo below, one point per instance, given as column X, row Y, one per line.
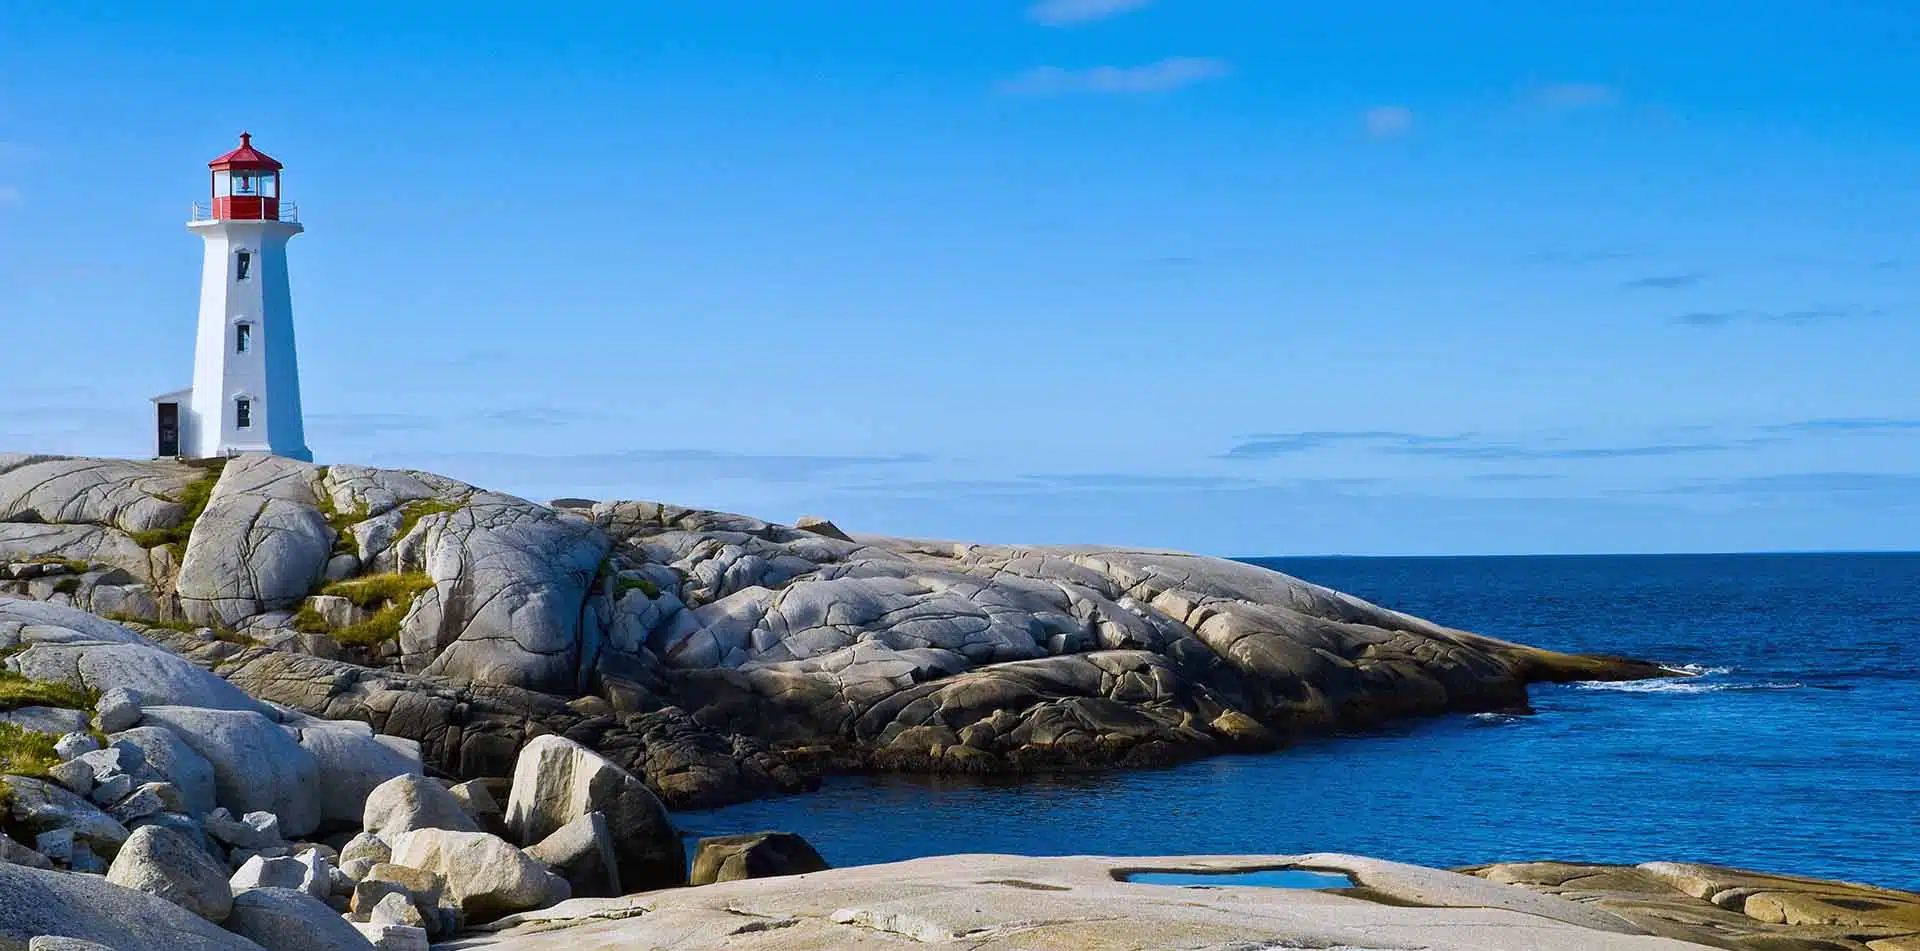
column 168, row 865
column 485, row 876
column 582, row 852
column 286, row 919
column 728, row 858
column 557, row 781
column 261, row 544
column 1010, row 903
column 412, row 801
column 35, row 902
column 256, row 764
column 178, row 763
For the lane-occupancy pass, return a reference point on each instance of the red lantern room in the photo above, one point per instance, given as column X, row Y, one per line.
column 246, row 185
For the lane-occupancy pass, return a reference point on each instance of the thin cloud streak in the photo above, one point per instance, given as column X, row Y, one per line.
column 1166, row 75
column 1571, row 96
column 1388, row 122
column 1809, row 315
column 1076, row 12
column 1664, row 282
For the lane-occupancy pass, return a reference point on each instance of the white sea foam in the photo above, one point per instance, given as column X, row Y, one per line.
column 1497, row 719
column 1691, row 685
column 1698, row 670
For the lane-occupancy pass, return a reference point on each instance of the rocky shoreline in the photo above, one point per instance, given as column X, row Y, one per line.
column 717, row 655
column 261, row 703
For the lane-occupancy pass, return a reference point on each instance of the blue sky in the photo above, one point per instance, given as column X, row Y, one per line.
column 1238, row 277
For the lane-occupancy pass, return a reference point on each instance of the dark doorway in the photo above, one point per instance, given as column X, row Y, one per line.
column 169, row 429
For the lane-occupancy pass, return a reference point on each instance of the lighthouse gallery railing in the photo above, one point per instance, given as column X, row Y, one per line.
column 203, row 211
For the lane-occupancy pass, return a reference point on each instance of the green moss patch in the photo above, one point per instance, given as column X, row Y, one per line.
column 342, row 522
column 388, row 596
column 412, row 512
column 25, row 752
column 372, row 591
column 17, row 691
column 383, row 626
column 194, row 496
column 75, row 567
column 184, row 627
column 637, row 584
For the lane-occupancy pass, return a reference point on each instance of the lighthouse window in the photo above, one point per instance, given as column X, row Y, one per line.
column 242, row 265
column 242, row 338
column 243, row 183
column 243, row 413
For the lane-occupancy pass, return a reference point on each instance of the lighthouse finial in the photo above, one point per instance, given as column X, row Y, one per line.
column 246, row 139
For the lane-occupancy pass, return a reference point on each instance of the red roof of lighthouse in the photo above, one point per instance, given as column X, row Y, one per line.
column 245, row 157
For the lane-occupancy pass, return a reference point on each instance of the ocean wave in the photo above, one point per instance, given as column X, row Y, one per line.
column 1698, row 670
column 1496, row 719
column 1690, row 685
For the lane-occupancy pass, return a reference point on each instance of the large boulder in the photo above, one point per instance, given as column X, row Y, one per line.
column 727, row 858
column 132, row 496
column 39, row 807
column 408, row 802
column 257, row 765
column 35, row 902
column 67, row 645
column 582, row 852
column 169, row 865
column 174, row 760
column 261, row 544
column 310, row 872
column 509, row 580
column 355, row 762
column 286, row 919
column 556, row 781
column 485, row 876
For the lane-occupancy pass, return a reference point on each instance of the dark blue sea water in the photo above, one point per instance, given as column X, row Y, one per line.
column 1798, row 750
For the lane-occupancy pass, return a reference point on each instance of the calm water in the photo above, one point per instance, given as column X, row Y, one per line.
column 1799, row 750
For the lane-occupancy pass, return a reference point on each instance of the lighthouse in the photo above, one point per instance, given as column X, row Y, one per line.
column 245, row 395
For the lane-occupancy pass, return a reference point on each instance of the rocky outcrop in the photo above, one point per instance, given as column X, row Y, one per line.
column 729, row 858
column 406, row 803
column 261, row 544
column 557, row 782
column 1727, row 908
column 168, row 865
column 1003, row 903
column 287, row 919
column 485, row 876
column 721, row 657
column 35, row 902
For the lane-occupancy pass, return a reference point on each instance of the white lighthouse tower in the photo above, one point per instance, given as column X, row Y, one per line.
column 246, row 379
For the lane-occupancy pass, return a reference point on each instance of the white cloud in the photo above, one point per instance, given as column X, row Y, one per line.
column 1386, row 122
column 1567, row 96
column 1071, row 12
column 1162, row 76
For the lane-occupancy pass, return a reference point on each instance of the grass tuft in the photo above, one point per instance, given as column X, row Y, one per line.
column 383, row 626
column 72, row 566
column 413, row 512
column 372, row 591
column 25, row 752
column 342, row 522
column 194, row 496
column 184, row 627
column 641, row 584
column 308, row 621
column 17, row 691
column 389, row 596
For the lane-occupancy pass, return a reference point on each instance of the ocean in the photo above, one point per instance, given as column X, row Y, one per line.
column 1796, row 750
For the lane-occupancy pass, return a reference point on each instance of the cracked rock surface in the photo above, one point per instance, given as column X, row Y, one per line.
column 719, row 656
column 1005, row 903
